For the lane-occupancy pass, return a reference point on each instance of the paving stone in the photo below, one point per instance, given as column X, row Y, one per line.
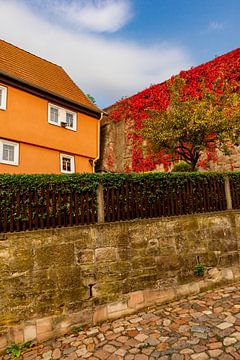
column 129, row 357
column 109, row 348
column 134, row 351
column 141, row 337
column 230, row 319
column 47, row 355
column 225, row 357
column 177, row 357
column 200, row 356
column 215, row 353
column 92, row 332
column 152, row 341
column 102, row 355
column 69, row 350
column 200, row 348
column 215, row 345
column 200, row 329
column 148, row 351
column 118, row 329
column 73, row 356
column 132, row 333
column 186, row 351
column 120, row 352
column 56, row 354
column 224, row 325
column 136, row 320
column 141, row 357
column 229, row 341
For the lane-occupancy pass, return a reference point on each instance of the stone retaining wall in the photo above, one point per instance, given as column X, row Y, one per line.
column 51, row 280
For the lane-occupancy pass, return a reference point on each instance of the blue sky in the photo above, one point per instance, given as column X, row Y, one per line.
column 115, row 48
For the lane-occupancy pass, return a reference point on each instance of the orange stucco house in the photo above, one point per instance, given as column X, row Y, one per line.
column 47, row 124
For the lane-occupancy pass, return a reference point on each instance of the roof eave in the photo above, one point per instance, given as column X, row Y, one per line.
column 48, row 95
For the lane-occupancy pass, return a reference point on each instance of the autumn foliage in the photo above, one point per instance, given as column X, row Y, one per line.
column 156, row 98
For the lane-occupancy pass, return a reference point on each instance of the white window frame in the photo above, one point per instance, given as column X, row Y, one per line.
column 15, row 162
column 3, row 103
column 72, row 159
column 62, row 116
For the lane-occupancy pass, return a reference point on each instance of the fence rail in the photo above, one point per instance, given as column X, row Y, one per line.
column 128, row 199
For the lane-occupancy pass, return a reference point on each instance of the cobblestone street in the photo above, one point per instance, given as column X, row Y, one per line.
column 205, row 326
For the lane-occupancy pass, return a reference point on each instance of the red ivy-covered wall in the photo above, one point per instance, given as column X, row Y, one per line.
column 157, row 97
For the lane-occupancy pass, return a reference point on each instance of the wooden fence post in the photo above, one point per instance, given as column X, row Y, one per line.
column 100, row 204
column 228, row 192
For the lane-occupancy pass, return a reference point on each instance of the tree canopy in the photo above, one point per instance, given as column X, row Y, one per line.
column 194, row 124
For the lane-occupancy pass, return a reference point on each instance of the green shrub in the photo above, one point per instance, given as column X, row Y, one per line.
column 199, row 269
column 15, row 350
column 182, row 166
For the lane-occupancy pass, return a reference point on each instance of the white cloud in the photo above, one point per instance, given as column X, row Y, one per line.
column 107, row 69
column 214, row 25
column 99, row 16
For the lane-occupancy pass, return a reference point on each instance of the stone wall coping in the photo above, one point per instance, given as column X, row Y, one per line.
column 4, row 236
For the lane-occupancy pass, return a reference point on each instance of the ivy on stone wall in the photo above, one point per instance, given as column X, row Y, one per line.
column 134, row 109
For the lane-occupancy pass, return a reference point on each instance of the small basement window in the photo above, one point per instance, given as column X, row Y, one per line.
column 67, row 163
column 3, row 97
column 9, row 152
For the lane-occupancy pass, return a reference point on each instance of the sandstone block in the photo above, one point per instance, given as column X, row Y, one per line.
column 158, row 296
column 183, row 290
column 54, row 255
column 136, row 298
column 84, row 256
column 44, row 325
column 80, row 317
column 116, row 307
column 106, row 254
column 3, row 342
column 16, row 334
column 30, row 332
column 45, row 336
column 227, row 274
column 100, row 314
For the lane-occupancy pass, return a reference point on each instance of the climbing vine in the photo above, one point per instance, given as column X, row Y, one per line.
column 135, row 108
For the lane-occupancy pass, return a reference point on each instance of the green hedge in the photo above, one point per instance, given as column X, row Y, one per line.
column 63, row 183
column 138, row 195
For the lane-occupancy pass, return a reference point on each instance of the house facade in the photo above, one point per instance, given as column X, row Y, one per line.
column 122, row 149
column 47, row 124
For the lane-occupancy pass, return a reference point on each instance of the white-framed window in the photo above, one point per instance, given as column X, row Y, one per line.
column 9, row 152
column 3, row 97
column 62, row 117
column 67, row 163
column 54, row 115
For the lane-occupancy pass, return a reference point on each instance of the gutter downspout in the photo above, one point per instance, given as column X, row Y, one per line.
column 98, row 153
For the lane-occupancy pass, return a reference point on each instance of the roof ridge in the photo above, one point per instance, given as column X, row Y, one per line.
column 31, row 69
column 86, row 97
column 39, row 57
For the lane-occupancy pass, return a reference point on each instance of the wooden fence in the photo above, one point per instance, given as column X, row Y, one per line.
column 163, row 198
column 46, row 208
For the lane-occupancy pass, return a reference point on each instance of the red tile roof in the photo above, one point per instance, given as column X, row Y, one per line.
column 31, row 69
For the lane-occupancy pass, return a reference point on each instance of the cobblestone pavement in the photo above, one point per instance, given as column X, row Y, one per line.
column 205, row 326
